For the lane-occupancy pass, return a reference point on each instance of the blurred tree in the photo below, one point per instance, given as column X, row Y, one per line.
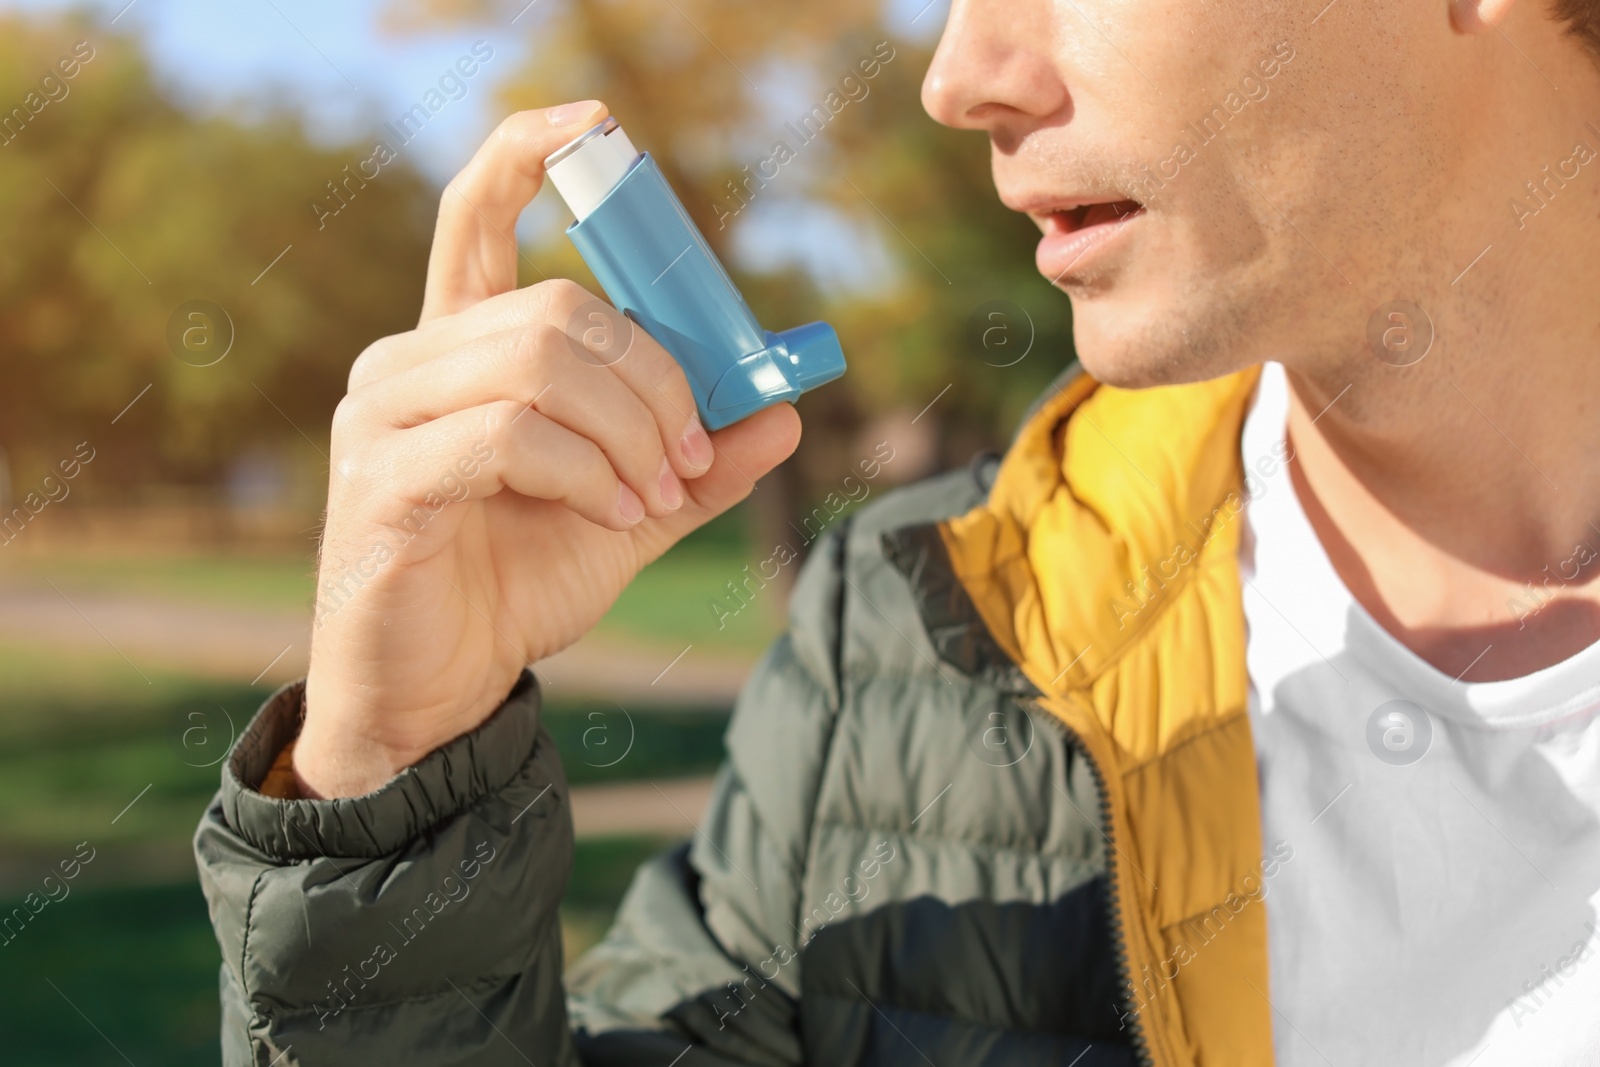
column 118, row 206
column 904, row 210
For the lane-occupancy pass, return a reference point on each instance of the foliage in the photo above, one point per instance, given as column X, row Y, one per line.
column 119, row 206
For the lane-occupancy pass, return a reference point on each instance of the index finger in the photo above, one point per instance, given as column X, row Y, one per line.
column 474, row 252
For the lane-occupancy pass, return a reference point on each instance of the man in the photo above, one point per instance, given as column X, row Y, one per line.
column 1240, row 715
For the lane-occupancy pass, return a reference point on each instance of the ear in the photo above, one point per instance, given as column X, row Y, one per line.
column 1476, row 16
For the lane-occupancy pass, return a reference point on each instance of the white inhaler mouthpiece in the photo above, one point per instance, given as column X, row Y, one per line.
column 584, row 171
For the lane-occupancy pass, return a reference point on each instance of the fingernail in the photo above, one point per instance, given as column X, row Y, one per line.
column 629, row 504
column 567, row 114
column 697, row 451
column 671, row 488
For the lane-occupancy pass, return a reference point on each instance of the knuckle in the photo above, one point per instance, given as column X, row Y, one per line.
column 524, row 305
column 348, row 416
column 531, row 358
column 599, row 334
column 355, row 465
column 502, row 139
column 527, row 346
column 522, row 130
column 498, row 420
column 368, row 365
column 508, row 134
column 559, row 298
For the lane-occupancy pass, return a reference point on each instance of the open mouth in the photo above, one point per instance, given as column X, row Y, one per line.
column 1076, row 239
column 1085, row 216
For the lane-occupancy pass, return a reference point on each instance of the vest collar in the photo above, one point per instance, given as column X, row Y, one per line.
column 1099, row 512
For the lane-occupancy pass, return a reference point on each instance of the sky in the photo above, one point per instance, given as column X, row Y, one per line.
column 334, row 62
column 329, row 59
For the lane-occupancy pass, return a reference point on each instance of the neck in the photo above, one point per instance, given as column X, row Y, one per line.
column 1459, row 497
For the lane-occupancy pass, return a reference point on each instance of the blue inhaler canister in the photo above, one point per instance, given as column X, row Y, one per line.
column 657, row 268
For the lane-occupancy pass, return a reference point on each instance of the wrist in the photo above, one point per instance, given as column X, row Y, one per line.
column 339, row 761
column 349, row 746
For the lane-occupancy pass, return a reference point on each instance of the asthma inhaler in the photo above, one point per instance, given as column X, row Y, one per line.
column 657, row 268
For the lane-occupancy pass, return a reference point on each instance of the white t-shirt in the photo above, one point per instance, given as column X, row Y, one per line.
column 1440, row 904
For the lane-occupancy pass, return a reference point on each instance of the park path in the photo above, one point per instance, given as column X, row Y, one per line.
column 669, row 808
column 270, row 647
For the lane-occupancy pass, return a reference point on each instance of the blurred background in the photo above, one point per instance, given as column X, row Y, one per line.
column 193, row 248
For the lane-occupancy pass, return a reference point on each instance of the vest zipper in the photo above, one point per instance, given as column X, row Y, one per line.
column 1119, row 934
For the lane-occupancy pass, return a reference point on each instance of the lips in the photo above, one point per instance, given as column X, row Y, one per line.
column 1075, row 232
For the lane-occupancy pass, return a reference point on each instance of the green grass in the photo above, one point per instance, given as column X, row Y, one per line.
column 670, row 603
column 40, row 685
column 600, row 743
column 81, row 736
column 138, row 963
column 278, row 583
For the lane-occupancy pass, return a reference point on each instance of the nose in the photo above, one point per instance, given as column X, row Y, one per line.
column 991, row 69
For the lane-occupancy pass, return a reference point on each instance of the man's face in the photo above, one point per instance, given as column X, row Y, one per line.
column 1261, row 177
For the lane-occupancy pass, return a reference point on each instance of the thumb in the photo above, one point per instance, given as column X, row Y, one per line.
column 745, row 452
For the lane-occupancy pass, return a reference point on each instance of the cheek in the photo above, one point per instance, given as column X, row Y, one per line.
column 1187, row 303
column 1216, row 277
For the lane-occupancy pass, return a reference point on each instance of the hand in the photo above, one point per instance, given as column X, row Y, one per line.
column 493, row 491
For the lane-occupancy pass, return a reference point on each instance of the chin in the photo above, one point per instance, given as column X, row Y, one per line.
column 1142, row 344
